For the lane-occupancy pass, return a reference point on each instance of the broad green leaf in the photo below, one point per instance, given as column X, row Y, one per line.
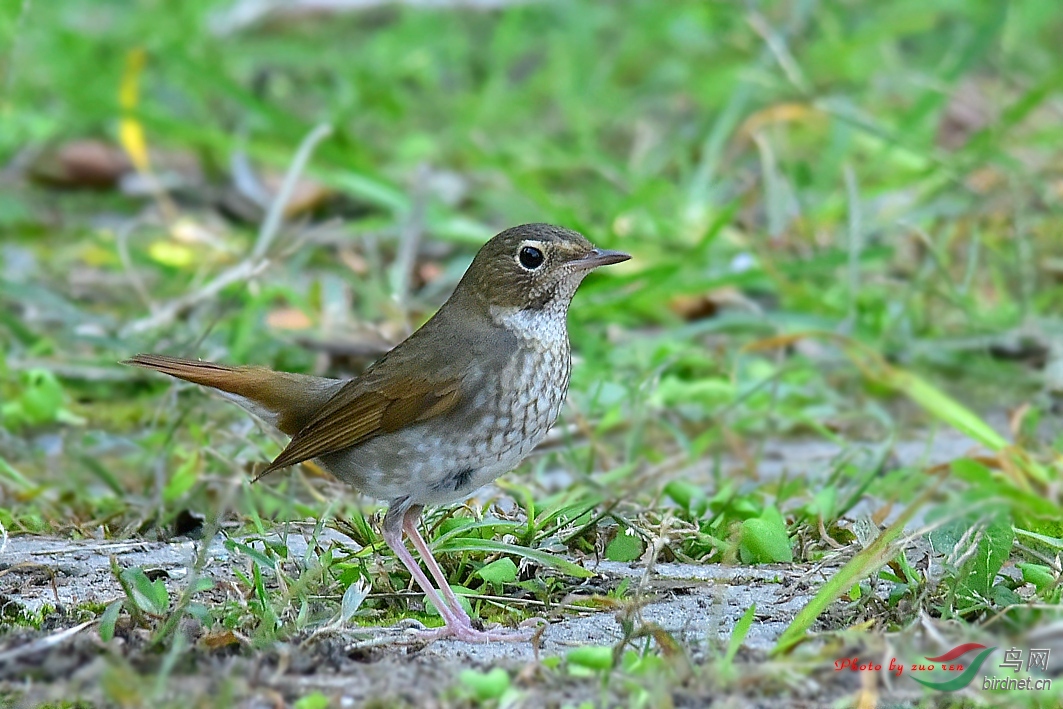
column 499, row 571
column 982, row 567
column 42, row 397
column 314, row 700
column 688, row 496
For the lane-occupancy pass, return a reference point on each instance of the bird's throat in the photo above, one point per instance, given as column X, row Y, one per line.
column 541, row 328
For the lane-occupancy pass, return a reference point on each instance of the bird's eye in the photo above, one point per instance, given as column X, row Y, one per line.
column 530, row 257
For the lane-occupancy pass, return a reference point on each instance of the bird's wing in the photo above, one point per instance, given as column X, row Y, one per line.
column 427, row 375
column 365, row 408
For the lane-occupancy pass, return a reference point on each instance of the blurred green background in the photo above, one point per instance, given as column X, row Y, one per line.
column 889, row 173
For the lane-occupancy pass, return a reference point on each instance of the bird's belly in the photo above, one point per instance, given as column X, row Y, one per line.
column 444, row 459
column 427, row 467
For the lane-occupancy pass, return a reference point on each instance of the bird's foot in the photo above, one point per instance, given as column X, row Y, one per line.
column 465, row 632
column 469, row 634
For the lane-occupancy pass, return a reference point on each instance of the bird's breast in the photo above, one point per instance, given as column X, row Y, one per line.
column 507, row 408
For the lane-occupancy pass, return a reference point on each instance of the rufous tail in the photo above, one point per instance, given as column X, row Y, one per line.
column 285, row 400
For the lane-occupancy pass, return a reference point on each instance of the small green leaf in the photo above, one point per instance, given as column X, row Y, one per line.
column 1040, row 576
column 1003, row 596
column 624, row 547
column 499, row 571
column 42, row 397
column 198, row 611
column 824, row 501
column 460, row 592
column 594, row 657
column 647, row 665
column 255, row 554
column 688, row 496
column 763, row 539
column 108, row 620
column 314, row 700
column 485, row 685
column 149, row 596
column 203, row 583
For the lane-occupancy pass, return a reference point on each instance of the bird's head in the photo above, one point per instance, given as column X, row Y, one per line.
column 533, row 267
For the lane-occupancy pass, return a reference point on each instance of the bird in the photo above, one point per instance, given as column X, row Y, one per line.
column 461, row 401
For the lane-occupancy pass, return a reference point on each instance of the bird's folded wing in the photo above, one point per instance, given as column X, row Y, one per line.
column 362, row 410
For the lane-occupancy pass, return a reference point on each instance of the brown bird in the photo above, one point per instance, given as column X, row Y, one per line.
column 461, row 401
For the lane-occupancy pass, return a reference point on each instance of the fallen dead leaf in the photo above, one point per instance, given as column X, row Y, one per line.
column 288, row 319
column 308, row 194
column 82, row 164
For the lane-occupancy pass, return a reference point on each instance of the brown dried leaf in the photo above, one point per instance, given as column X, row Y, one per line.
column 288, row 319
column 86, row 164
column 307, row 195
column 224, row 638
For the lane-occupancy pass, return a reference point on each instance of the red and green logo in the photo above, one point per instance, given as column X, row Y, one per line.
column 945, row 662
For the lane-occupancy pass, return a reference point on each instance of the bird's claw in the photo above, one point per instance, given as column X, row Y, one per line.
column 467, row 633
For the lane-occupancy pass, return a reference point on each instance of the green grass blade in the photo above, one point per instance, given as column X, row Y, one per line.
column 865, row 563
column 541, row 557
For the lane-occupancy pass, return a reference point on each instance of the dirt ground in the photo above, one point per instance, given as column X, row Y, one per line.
column 698, row 605
column 694, row 603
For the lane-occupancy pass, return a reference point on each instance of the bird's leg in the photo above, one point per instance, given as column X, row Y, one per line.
column 457, row 623
column 393, row 524
column 409, row 525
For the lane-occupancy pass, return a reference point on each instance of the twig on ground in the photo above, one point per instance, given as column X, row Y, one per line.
column 659, row 541
column 122, row 243
column 271, row 224
column 409, row 242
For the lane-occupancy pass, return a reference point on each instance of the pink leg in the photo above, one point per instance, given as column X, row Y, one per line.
column 393, row 538
column 409, row 525
column 456, row 621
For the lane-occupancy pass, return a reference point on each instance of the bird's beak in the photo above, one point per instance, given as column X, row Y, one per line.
column 600, row 257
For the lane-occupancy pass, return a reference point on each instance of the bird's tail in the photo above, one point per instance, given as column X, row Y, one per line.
column 284, row 400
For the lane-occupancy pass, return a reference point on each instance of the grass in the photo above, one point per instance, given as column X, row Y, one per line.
column 844, row 219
